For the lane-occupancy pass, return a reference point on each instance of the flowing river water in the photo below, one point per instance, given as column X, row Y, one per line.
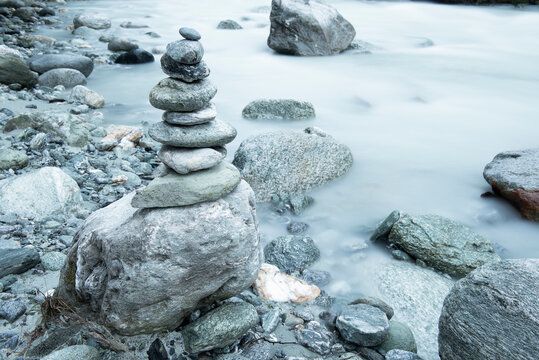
column 442, row 91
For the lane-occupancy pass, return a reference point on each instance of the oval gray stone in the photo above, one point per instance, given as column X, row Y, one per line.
column 185, row 51
column 213, row 133
column 363, row 324
column 175, row 95
column 121, row 44
column 278, row 109
column 204, row 115
column 186, row 160
column 67, row 77
column 399, row 337
column 196, row 187
column 190, row 33
column 183, row 72
column 46, row 62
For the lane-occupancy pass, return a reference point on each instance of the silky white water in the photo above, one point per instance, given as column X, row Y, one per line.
column 444, row 90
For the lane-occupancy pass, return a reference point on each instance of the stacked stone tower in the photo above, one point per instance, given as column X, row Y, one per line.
column 193, row 139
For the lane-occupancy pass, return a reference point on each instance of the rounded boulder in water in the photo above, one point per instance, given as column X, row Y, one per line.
column 135, row 56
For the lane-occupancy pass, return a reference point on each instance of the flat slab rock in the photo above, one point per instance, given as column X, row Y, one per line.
column 175, row 95
column 210, row 134
column 179, row 190
column 186, row 160
column 515, row 176
column 202, row 116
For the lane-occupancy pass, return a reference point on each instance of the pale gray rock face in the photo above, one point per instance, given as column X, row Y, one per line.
column 213, row 133
column 308, row 28
column 93, row 21
column 180, row 190
column 183, row 72
column 86, row 96
column 185, row 160
column 288, row 162
column 41, row 193
column 442, row 243
column 175, row 95
column 44, row 63
column 65, row 77
column 281, row 109
column 493, row 313
column 185, row 51
column 515, row 176
column 204, row 115
column 363, row 324
column 143, row 271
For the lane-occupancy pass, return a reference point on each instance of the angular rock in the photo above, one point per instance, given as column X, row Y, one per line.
column 14, row 70
column 229, row 25
column 93, row 21
column 288, row 162
column 157, row 351
column 204, row 115
column 383, row 230
column 174, row 95
column 402, row 355
column 514, row 176
column 121, row 44
column 270, row 320
column 278, row 109
column 493, row 313
column 40, row 193
column 315, row 338
column 190, row 33
column 12, row 159
column 213, row 133
column 186, row 160
column 442, row 243
column 363, row 324
column 180, row 190
column 11, row 310
column 121, row 135
column 291, row 253
column 377, row 303
column 220, row 327
column 125, row 265
column 65, row 77
column 185, row 51
column 86, row 96
column 308, row 28
column 44, row 63
column 17, row 261
column 183, row 72
column 135, row 56
column 273, row 285
column 81, row 352
column 399, row 337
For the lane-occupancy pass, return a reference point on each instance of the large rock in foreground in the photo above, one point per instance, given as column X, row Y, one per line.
column 308, row 28
column 143, row 271
column 515, row 176
column 288, row 162
column 493, row 313
column 14, row 70
column 41, row 193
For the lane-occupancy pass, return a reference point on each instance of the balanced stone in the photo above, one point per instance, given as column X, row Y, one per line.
column 204, row 115
column 213, row 133
column 175, row 95
column 187, row 73
column 190, row 33
column 185, row 51
column 185, row 160
column 180, row 190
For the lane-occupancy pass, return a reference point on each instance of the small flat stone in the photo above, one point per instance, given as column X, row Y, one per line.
column 175, row 95
column 213, row 133
column 377, row 303
column 186, row 160
column 185, row 51
column 204, row 115
column 363, row 324
column 181, row 190
column 190, row 33
column 187, row 73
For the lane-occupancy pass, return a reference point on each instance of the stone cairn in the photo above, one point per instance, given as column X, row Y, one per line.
column 193, row 139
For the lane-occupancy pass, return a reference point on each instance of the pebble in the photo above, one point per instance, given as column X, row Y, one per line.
column 190, row 33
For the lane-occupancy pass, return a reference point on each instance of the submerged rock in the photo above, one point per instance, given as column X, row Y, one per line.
column 278, row 109
column 493, row 313
column 44, row 63
column 93, row 21
column 135, row 56
column 515, row 176
column 125, row 265
column 308, row 28
column 273, row 285
column 292, row 253
column 175, row 95
column 121, row 44
column 229, row 25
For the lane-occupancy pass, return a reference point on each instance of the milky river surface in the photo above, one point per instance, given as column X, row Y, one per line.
column 442, row 91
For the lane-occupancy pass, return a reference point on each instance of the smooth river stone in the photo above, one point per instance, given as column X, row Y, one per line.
column 175, row 95
column 213, row 133
column 183, row 72
column 185, row 51
column 181, row 190
column 190, row 33
column 185, row 160
column 201, row 116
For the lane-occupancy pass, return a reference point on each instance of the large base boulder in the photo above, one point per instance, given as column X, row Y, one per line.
column 143, row 271
column 493, row 313
column 308, row 27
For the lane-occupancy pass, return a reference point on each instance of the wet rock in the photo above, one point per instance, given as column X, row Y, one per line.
column 135, row 56
column 196, row 187
column 278, row 109
column 315, row 338
column 12, row 159
column 514, row 176
column 40, row 193
column 174, row 95
column 148, row 252
column 82, row 352
column 121, row 44
column 442, row 243
column 297, row 228
column 187, row 73
column 17, row 261
column 400, row 337
column 229, row 25
column 65, row 77
column 14, row 70
column 11, row 310
column 213, row 133
column 53, row 261
column 25, row 13
column 308, row 28
column 185, row 51
column 202, row 116
column 290, row 161
column 402, row 355
column 291, row 253
column 270, row 320
column 273, row 285
column 493, row 313
column 185, row 160
column 86, row 96
column 219, row 327
column 157, row 351
column 190, row 33
column 46, row 11
column 377, row 303
column 383, row 230
column 363, row 324
column 93, row 21
column 44, row 63
column 316, row 277
column 262, row 351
